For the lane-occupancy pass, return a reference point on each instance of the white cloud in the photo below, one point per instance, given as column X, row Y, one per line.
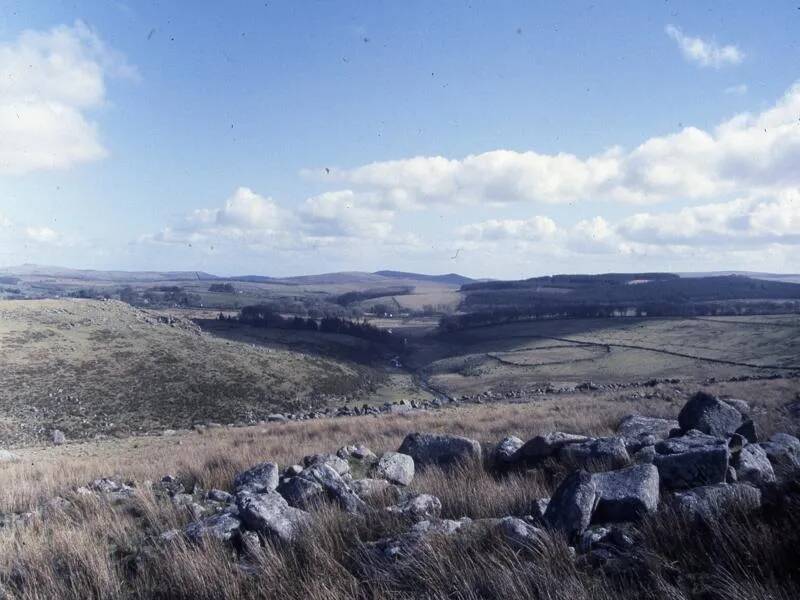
column 43, row 235
column 747, row 154
column 534, row 229
column 736, row 90
column 344, row 213
column 49, row 81
column 704, row 52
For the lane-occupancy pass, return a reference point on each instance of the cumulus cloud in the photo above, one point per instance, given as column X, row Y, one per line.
column 746, row 154
column 258, row 221
column 43, row 235
column 536, row 228
column 705, row 53
column 50, row 81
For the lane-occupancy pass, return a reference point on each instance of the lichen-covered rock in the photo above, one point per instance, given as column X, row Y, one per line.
column 301, row 492
column 270, row 515
column 713, row 501
column 519, row 534
column 639, row 431
column 221, row 526
column 748, row 431
column 441, row 450
column 783, row 451
column 420, row 507
column 258, row 479
column 571, row 507
column 606, row 452
column 691, row 460
column 335, row 487
column 538, row 508
column 545, row 446
column 753, row 466
column 370, row 488
column 504, row 451
column 627, row 494
column 395, row 467
column 338, row 464
column 708, row 414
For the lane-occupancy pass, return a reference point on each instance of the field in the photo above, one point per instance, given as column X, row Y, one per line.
column 609, row 351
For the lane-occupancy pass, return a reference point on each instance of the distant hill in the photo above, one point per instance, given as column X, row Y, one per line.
column 787, row 277
column 449, row 278
column 93, row 275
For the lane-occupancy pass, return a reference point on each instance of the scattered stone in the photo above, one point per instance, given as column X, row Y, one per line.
column 538, row 508
column 339, row 465
column 711, row 501
column 370, row 488
column 277, row 418
column 395, row 467
column 300, row 492
column 753, row 466
column 7, row 456
column 783, row 451
column 442, row 450
column 742, row 406
column 335, row 487
column 639, row 431
column 519, row 534
column 710, row 415
column 627, row 494
column 219, row 496
column 571, row 507
column 57, row 437
column 644, row 456
column 748, row 431
column 692, row 460
column 222, row 526
column 258, row 479
column 419, row 507
column 607, row 452
column 269, row 514
column 506, row 449
column 544, row 446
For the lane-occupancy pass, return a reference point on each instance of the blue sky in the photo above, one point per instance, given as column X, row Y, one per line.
column 500, row 139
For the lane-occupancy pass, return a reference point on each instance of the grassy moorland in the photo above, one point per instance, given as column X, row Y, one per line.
column 93, row 549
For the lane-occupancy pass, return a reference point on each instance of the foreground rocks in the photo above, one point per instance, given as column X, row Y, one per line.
column 428, row 449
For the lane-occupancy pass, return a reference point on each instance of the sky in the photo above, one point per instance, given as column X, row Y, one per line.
column 494, row 139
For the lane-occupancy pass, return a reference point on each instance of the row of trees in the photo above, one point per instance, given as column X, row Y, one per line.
column 264, row 316
column 552, row 310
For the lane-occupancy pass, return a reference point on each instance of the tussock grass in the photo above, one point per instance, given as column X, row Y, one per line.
column 93, row 549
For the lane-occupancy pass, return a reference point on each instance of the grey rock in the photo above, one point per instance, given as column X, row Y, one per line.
column 270, row 515
column 572, row 505
column 222, row 526
column 419, row 507
column 712, row 501
column 639, row 431
column 753, row 466
column 627, row 494
column 439, row 526
column 335, row 487
column 692, row 460
column 519, row 534
column 57, row 437
column 783, row 451
column 645, row 455
column 293, row 471
column 748, row 431
column 731, row 476
column 545, row 446
column 6, row 456
column 395, row 467
column 258, row 479
column 277, row 418
column 741, row 405
column 361, row 452
column 339, row 465
column 300, row 492
column 590, row 538
column 709, row 414
column 506, row 449
column 370, row 488
column 219, row 496
column 442, row 450
column 608, row 452
column 538, row 508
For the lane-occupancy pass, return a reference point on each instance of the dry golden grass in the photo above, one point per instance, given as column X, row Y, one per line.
column 95, row 550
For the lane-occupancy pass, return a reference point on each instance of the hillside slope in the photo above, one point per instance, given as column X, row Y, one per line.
column 89, row 367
